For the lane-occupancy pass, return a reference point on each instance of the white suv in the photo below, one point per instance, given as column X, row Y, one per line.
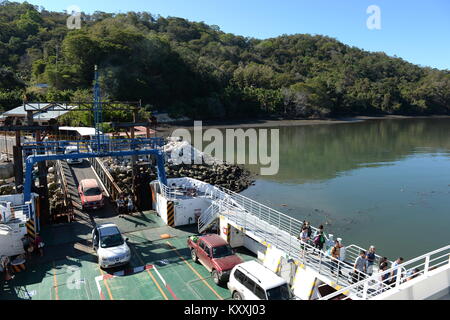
column 111, row 247
column 252, row 281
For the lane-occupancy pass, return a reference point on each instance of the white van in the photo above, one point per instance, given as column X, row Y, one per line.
column 72, row 149
column 252, row 281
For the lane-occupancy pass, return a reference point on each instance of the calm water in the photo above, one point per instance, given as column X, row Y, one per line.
column 380, row 182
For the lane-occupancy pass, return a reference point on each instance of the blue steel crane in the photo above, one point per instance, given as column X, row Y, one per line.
column 99, row 147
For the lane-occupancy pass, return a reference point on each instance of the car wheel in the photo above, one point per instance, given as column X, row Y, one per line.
column 237, row 296
column 215, row 276
column 194, row 255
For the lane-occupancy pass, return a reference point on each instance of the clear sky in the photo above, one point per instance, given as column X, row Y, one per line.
column 415, row 30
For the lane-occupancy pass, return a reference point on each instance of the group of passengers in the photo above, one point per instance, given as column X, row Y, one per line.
column 364, row 264
column 125, row 204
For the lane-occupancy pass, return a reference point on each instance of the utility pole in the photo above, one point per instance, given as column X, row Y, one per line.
column 18, row 161
column 134, row 161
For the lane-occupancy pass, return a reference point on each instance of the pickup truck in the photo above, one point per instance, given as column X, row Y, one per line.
column 215, row 254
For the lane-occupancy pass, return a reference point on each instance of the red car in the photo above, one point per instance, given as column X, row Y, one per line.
column 90, row 194
column 215, row 254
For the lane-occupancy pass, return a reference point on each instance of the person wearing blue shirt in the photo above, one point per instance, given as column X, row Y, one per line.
column 371, row 257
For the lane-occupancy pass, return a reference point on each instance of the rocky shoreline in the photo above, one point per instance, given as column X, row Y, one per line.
column 7, row 187
column 232, row 177
column 210, row 170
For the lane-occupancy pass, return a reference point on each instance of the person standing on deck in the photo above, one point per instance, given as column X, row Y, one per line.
column 308, row 226
column 371, row 257
column 28, row 245
column 382, row 260
column 319, row 240
column 342, row 251
column 395, row 269
column 303, row 226
column 320, row 229
column 120, row 204
column 130, row 205
column 39, row 244
column 330, row 242
column 5, row 266
column 335, row 257
column 384, row 278
column 304, row 238
column 360, row 266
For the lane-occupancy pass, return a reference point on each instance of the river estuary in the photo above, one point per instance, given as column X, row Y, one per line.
column 378, row 182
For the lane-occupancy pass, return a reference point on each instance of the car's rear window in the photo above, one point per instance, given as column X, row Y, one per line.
column 94, row 191
column 222, row 251
column 279, row 293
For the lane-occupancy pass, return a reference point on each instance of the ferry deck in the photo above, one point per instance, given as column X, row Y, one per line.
column 160, row 269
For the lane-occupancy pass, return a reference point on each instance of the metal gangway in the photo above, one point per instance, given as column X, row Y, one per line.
column 269, row 226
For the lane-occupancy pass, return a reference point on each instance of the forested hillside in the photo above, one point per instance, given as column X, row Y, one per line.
column 190, row 68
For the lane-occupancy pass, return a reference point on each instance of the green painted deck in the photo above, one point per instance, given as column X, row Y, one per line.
column 69, row 269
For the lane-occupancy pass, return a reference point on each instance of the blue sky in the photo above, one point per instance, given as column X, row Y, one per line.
column 415, row 30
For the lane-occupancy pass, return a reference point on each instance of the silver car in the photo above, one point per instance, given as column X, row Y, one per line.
column 111, row 247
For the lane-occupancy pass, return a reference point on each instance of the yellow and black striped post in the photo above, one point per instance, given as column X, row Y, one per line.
column 31, row 229
column 170, row 213
column 312, row 289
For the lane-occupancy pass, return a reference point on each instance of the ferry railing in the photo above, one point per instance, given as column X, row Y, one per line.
column 208, row 217
column 392, row 278
column 271, row 216
column 108, row 181
column 66, row 194
column 169, row 193
column 287, row 223
column 273, row 227
column 335, row 270
column 25, row 209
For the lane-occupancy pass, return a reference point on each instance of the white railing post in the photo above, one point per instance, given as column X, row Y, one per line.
column 366, row 287
column 320, row 261
column 398, row 277
column 427, row 265
column 290, row 235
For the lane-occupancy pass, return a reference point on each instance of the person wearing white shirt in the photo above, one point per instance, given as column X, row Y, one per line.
column 395, row 269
